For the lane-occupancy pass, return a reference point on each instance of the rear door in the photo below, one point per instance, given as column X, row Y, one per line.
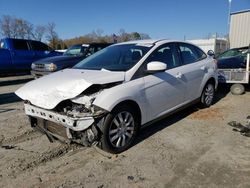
column 22, row 55
column 193, row 70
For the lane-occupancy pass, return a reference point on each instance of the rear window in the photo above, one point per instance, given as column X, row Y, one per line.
column 20, row 45
column 190, row 53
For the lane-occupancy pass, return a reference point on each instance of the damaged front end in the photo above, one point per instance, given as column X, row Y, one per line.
column 76, row 119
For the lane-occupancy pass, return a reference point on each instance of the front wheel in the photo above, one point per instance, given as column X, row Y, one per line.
column 119, row 129
column 207, row 95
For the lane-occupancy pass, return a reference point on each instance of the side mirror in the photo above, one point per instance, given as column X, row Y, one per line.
column 210, row 53
column 156, row 66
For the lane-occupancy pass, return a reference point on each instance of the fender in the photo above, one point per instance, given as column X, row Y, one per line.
column 111, row 97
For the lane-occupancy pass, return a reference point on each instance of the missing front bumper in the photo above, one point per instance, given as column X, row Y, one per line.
column 55, row 131
column 75, row 124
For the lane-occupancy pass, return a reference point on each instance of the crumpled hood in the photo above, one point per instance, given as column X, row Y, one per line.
column 48, row 91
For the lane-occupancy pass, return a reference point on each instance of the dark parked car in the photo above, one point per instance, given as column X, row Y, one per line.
column 16, row 55
column 72, row 56
column 233, row 59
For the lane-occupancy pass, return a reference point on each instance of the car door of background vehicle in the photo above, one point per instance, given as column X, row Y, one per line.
column 193, row 69
column 164, row 91
column 22, row 56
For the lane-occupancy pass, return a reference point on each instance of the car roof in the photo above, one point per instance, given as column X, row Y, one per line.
column 153, row 41
column 92, row 44
column 241, row 48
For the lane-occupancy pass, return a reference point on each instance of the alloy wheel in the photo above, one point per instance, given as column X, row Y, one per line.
column 122, row 129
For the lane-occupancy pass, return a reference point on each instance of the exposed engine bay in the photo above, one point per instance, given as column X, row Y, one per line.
column 74, row 119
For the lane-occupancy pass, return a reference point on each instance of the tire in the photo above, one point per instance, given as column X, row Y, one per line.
column 119, row 129
column 207, row 96
column 237, row 89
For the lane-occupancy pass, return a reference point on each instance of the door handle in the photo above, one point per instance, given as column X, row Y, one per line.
column 178, row 75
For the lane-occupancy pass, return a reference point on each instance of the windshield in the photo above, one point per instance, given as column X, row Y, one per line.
column 115, row 58
column 76, row 50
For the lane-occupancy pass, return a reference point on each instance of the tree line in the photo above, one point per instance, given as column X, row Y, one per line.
column 13, row 27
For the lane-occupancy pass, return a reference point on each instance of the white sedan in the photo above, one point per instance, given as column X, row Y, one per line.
column 109, row 96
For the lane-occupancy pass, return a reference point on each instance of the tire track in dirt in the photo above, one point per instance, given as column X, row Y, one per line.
column 27, row 135
column 20, row 165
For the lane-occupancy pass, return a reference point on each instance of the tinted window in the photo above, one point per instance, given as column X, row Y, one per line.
column 231, row 53
column 166, row 54
column 190, row 53
column 20, row 45
column 39, row 46
column 76, row 50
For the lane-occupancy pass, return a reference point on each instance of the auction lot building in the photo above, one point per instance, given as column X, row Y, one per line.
column 218, row 45
column 239, row 34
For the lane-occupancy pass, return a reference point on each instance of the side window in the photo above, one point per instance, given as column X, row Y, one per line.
column 20, row 45
column 166, row 54
column 39, row 46
column 190, row 54
column 200, row 53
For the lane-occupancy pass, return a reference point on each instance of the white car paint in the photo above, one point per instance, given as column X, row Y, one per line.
column 155, row 94
column 48, row 91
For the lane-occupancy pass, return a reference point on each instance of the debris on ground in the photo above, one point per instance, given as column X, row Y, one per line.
column 238, row 127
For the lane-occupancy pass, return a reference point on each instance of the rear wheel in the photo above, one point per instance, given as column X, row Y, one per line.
column 237, row 89
column 207, row 95
column 119, row 129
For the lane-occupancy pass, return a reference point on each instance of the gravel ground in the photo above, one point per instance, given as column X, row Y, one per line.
column 192, row 148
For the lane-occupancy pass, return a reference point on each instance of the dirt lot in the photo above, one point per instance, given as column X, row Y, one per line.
column 193, row 148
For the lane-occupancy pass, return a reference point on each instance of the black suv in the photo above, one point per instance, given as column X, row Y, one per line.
column 72, row 56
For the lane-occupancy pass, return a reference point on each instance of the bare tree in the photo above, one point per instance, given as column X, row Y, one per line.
column 52, row 36
column 5, row 25
column 123, row 36
column 39, row 32
column 99, row 32
column 144, row 36
column 22, row 28
column 15, row 27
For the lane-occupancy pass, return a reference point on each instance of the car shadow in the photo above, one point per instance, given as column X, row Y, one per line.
column 15, row 82
column 247, row 87
column 222, row 91
column 6, row 98
column 151, row 129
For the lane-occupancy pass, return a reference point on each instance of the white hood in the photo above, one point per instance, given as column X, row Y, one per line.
column 50, row 90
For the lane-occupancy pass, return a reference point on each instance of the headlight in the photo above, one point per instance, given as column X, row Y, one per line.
column 33, row 66
column 51, row 67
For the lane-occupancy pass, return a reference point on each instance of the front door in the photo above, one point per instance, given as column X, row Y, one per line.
column 164, row 91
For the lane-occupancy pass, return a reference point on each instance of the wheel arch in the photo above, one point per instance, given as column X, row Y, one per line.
column 210, row 80
column 133, row 105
